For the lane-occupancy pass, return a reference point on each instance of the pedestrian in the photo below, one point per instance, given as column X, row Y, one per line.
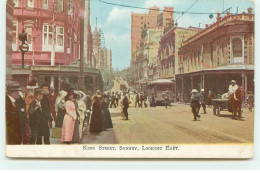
column 137, row 100
column 13, row 128
column 153, row 101
column 52, row 96
column 46, row 117
column 117, row 99
column 36, row 117
column 250, row 100
column 106, row 117
column 194, row 104
column 96, row 124
column 20, row 105
column 81, row 110
column 113, row 98
column 167, row 98
column 29, row 97
column 70, row 117
column 209, row 98
column 145, row 99
column 60, row 108
column 141, row 100
column 88, row 107
column 125, row 103
column 203, row 99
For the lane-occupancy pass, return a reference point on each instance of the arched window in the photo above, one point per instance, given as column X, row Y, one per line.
column 237, row 47
column 237, row 50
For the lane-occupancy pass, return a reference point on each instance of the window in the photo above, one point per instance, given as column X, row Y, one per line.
column 47, row 38
column 30, row 3
column 60, row 36
column 16, row 3
column 28, row 30
column 45, row 4
column 68, row 43
column 69, row 7
column 14, row 33
column 60, row 5
column 237, row 50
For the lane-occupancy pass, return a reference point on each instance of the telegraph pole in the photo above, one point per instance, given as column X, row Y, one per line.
column 53, row 33
column 53, row 40
column 81, row 68
column 87, row 31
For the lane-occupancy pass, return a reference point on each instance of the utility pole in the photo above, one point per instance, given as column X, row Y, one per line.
column 53, row 33
column 81, row 68
column 54, row 5
column 87, row 31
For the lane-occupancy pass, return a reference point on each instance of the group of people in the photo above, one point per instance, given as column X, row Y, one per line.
column 32, row 111
column 199, row 100
column 27, row 114
column 140, row 100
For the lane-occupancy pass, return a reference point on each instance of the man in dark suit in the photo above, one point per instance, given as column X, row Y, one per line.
column 52, row 96
column 13, row 128
column 35, row 116
column 46, row 116
column 20, row 105
column 195, row 104
column 125, row 106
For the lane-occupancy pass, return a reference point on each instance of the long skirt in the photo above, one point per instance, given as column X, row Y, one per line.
column 107, row 122
column 75, row 138
column 60, row 117
column 67, row 129
column 96, row 123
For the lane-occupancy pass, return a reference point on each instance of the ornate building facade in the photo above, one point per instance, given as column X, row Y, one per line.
column 38, row 18
column 221, row 52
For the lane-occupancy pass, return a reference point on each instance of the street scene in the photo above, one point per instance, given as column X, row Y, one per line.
column 139, row 72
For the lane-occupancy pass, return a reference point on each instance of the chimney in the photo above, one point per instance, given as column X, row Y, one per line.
column 227, row 13
column 249, row 10
column 206, row 25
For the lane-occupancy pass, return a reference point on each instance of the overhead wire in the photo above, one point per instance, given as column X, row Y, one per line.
column 144, row 8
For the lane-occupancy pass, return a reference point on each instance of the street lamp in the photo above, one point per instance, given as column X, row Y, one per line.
column 23, row 47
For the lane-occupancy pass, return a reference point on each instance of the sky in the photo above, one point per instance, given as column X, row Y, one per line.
column 115, row 21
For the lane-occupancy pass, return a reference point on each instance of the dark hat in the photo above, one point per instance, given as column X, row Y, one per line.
column 38, row 91
column 70, row 92
column 32, row 84
column 13, row 86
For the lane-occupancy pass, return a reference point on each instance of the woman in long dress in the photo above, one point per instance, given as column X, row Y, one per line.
column 60, row 108
column 96, row 124
column 81, row 110
column 107, row 122
column 69, row 118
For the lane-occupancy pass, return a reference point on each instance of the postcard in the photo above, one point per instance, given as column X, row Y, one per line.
column 130, row 79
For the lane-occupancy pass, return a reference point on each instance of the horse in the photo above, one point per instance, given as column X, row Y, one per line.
column 235, row 102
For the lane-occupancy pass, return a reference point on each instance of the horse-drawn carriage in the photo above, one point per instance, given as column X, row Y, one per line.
column 232, row 104
column 219, row 105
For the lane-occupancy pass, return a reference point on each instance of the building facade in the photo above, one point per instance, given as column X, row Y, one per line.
column 9, row 38
column 170, row 43
column 40, row 19
column 153, row 19
column 221, row 52
column 109, row 59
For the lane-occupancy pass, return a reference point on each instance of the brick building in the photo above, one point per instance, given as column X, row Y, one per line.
column 221, row 52
column 9, row 38
column 170, row 43
column 153, row 19
column 37, row 18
